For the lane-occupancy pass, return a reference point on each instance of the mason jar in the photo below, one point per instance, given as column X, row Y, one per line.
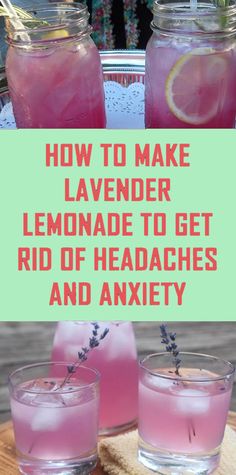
column 191, row 65
column 53, row 69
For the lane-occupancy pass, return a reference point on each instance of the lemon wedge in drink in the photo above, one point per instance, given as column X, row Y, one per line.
column 193, row 87
column 55, row 34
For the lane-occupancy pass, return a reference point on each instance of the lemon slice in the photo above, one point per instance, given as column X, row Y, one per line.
column 56, row 34
column 193, row 88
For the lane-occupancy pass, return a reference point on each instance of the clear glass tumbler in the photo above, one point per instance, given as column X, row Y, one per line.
column 182, row 416
column 55, row 418
column 190, row 79
column 54, row 70
column 116, row 360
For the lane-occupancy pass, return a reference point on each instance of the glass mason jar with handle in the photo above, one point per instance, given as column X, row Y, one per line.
column 191, row 65
column 53, row 69
column 116, row 360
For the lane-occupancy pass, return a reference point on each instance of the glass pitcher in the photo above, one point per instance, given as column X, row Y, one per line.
column 116, row 360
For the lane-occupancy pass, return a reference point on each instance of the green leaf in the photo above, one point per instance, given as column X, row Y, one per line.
column 22, row 13
column 24, row 16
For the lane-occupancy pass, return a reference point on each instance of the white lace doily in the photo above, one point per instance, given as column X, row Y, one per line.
column 7, row 120
column 124, row 107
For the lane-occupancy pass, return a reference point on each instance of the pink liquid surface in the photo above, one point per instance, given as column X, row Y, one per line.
column 187, row 417
column 60, row 87
column 54, row 426
column 161, row 57
column 116, row 361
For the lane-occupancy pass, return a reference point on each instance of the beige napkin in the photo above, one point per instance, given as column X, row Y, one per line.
column 118, row 455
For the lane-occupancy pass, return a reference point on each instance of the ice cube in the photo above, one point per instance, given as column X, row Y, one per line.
column 119, row 342
column 71, row 334
column 71, row 352
column 164, row 383
column 68, row 330
column 156, row 382
column 47, row 419
column 192, row 401
column 52, row 399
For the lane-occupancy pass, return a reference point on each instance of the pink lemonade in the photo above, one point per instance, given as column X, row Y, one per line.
column 182, row 416
column 56, row 80
column 116, row 361
column 55, row 425
column 57, row 88
column 190, row 79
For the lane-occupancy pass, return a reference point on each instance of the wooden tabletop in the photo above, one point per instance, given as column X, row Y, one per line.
column 8, row 465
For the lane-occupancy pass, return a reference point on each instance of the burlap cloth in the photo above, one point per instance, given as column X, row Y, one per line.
column 118, row 455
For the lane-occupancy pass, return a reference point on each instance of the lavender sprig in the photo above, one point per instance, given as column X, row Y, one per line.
column 94, row 342
column 168, row 339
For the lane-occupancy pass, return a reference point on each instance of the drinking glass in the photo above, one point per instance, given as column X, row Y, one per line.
column 190, row 79
column 55, row 418
column 116, row 360
column 54, row 70
column 182, row 416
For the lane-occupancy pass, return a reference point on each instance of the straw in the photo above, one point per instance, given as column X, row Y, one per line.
column 15, row 19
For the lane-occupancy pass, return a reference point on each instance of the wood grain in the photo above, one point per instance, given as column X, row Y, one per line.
column 30, row 342
column 8, row 465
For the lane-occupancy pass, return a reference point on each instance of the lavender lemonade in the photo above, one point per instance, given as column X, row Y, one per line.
column 183, row 412
column 54, row 71
column 55, row 419
column 116, row 360
column 191, row 65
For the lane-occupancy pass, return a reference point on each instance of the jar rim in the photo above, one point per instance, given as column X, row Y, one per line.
column 202, row 18
column 184, row 8
column 53, row 19
column 68, row 8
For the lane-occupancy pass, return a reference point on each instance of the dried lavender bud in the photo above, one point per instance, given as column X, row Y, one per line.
column 104, row 334
column 168, row 339
column 82, row 355
column 94, row 342
column 85, row 350
column 71, row 369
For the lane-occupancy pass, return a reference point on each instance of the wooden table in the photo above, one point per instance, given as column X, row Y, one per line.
column 8, row 464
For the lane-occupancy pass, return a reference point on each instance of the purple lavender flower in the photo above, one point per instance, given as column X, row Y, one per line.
column 168, row 339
